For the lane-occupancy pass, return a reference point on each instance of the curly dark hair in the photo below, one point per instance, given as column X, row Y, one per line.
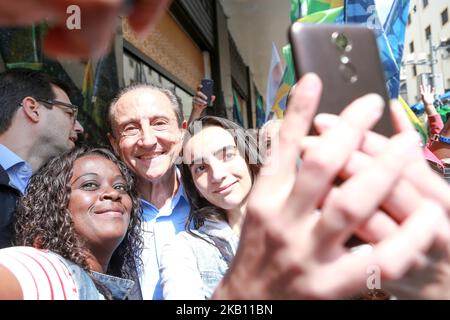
column 201, row 208
column 44, row 221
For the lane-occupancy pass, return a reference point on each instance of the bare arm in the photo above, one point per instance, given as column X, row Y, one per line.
column 10, row 288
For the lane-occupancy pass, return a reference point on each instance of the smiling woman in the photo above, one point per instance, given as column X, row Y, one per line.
column 220, row 163
column 78, row 228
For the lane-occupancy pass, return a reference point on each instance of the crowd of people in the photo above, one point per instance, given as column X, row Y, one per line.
column 197, row 211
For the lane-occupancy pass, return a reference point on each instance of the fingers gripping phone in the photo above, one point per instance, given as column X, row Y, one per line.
column 207, row 89
column 346, row 59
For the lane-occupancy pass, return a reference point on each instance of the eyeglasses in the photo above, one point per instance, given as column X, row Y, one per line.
column 64, row 105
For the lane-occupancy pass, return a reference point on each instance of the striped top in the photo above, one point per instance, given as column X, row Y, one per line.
column 42, row 275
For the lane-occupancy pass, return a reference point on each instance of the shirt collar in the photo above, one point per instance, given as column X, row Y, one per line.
column 150, row 211
column 8, row 158
column 181, row 192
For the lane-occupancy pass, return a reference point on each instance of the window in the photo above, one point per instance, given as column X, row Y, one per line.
column 137, row 71
column 414, row 71
column 411, row 47
column 444, row 17
column 409, row 19
column 425, row 3
column 428, row 32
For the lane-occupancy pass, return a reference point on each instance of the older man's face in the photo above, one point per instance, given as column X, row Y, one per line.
column 146, row 134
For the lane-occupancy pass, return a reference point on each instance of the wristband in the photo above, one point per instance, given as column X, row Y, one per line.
column 438, row 137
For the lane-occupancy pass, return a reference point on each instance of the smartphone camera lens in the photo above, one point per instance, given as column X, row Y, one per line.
column 341, row 41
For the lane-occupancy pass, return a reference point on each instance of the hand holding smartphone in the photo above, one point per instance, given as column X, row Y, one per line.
column 346, row 59
column 207, row 90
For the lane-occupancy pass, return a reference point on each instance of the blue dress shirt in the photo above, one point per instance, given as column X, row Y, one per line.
column 18, row 170
column 160, row 226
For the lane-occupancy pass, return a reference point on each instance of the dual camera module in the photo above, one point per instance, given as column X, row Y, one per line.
column 346, row 68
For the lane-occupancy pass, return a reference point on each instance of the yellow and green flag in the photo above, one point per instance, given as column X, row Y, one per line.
column 418, row 125
column 317, row 11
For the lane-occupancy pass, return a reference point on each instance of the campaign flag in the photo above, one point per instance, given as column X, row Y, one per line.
column 273, row 79
column 288, row 80
column 317, row 11
column 418, row 125
column 388, row 19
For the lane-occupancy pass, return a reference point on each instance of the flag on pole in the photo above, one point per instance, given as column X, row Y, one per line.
column 418, row 125
column 318, row 11
column 388, row 20
column 273, row 79
column 288, row 80
column 296, row 10
column 310, row 7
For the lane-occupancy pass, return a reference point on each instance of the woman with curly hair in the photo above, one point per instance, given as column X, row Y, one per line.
column 78, row 231
column 220, row 164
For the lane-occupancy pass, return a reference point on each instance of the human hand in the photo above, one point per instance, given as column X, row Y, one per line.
column 95, row 35
column 427, row 94
column 199, row 102
column 290, row 250
column 428, row 276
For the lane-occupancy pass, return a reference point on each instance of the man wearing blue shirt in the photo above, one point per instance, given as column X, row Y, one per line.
column 146, row 132
column 37, row 122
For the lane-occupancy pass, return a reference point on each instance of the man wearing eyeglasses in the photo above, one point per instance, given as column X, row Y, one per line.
column 37, row 122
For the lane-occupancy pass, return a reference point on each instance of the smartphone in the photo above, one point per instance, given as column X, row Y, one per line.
column 346, row 59
column 207, row 89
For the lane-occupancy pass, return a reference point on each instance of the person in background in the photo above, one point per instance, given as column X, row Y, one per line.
column 435, row 124
column 199, row 103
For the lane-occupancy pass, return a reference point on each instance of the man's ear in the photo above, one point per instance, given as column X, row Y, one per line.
column 184, row 125
column 31, row 109
column 113, row 143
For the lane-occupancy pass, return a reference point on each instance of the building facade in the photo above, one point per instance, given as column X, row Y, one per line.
column 428, row 24
column 190, row 42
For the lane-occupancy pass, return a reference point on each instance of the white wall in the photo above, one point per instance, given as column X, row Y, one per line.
column 254, row 24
